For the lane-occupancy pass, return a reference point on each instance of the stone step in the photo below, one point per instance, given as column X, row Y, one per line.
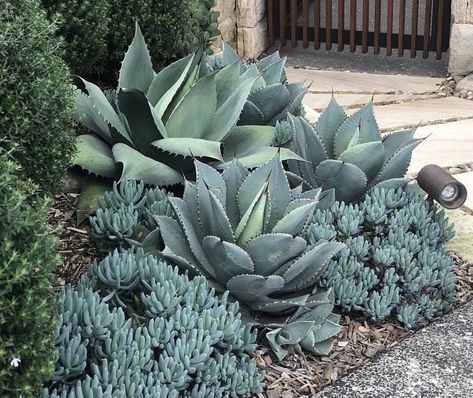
column 435, row 363
column 354, row 82
column 319, row 102
column 426, row 112
column 448, row 144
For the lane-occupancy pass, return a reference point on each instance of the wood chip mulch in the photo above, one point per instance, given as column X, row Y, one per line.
column 297, row 376
column 76, row 250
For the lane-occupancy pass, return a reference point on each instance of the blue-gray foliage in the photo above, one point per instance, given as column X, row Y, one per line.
column 395, row 262
column 137, row 328
column 125, row 216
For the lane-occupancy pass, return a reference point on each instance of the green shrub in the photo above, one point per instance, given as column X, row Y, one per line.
column 84, row 26
column 395, row 262
column 138, row 328
column 27, row 259
column 36, row 96
column 173, row 28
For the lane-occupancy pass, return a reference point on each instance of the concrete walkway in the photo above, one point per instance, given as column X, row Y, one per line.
column 436, row 362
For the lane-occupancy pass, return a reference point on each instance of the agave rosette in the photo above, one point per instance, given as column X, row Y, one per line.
column 271, row 97
column 348, row 153
column 243, row 231
column 151, row 126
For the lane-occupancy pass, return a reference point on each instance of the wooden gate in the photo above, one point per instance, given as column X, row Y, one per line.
column 414, row 25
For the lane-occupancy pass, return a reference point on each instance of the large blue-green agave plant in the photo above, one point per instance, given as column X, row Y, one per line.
column 151, row 126
column 243, row 231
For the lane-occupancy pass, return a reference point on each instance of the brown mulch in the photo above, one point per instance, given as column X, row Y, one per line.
column 297, row 376
column 76, row 250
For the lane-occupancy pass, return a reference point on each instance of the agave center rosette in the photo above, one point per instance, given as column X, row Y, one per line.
column 153, row 124
column 348, row 153
column 243, row 231
column 272, row 97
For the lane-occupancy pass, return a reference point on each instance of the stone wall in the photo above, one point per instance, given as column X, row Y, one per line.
column 243, row 25
column 461, row 42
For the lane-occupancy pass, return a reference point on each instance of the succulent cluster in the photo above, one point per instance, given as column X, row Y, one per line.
column 394, row 262
column 126, row 216
column 272, row 97
column 348, row 153
column 137, row 328
column 242, row 230
column 148, row 124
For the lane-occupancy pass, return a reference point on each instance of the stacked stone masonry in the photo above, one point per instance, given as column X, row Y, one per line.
column 461, row 43
column 243, row 25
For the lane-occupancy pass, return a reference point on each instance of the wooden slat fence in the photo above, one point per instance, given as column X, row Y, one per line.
column 412, row 26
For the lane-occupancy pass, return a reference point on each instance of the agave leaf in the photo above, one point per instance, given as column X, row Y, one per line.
column 95, row 156
column 184, row 218
column 264, row 155
column 271, row 174
column 305, row 270
column 176, row 245
column 213, row 217
column 294, row 332
column 251, row 115
column 208, row 177
column 228, row 258
column 297, row 92
column 104, row 108
column 137, row 110
column 227, row 81
column 140, row 167
column 190, row 147
column 269, row 60
column 201, row 100
column 137, row 68
column 271, row 251
column 309, row 146
column 252, row 288
column 167, row 83
column 86, row 114
column 393, row 183
column 369, row 130
column 190, row 197
column 394, row 141
column 326, row 331
column 329, row 123
column 274, row 71
column 229, row 54
column 271, row 100
column 283, row 305
column 272, row 337
column 226, row 117
column 369, row 157
column 397, row 165
column 253, row 221
column 233, row 175
column 348, row 180
column 244, row 140
column 296, row 221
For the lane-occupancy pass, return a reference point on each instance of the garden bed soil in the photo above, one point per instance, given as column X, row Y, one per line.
column 297, row 375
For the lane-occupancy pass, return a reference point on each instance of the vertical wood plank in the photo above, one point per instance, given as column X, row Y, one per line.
column 402, row 23
column 365, row 26
column 440, row 29
column 377, row 25
column 328, row 24
column 427, row 25
column 341, row 24
column 389, row 29
column 282, row 22
column 305, row 23
column 316, row 24
column 415, row 18
column 271, row 22
column 293, row 23
column 352, row 25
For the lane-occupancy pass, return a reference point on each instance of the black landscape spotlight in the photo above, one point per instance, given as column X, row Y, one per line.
column 442, row 187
